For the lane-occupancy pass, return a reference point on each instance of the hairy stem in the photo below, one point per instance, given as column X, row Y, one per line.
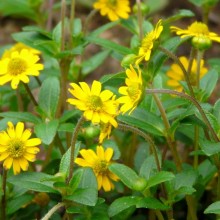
column 30, row 94
column 3, row 200
column 72, row 146
column 53, row 210
column 175, row 58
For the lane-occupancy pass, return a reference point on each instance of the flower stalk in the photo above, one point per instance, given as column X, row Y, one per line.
column 3, row 200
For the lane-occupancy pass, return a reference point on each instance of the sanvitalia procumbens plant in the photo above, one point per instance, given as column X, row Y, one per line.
column 140, row 143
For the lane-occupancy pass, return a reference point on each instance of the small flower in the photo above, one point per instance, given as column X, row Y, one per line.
column 176, row 74
column 132, row 92
column 105, row 132
column 18, row 67
column 16, row 148
column 98, row 106
column 99, row 162
column 19, row 47
column 147, row 43
column 114, row 9
column 200, row 34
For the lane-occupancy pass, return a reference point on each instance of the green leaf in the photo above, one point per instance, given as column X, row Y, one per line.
column 122, row 204
column 148, row 167
column 21, row 116
column 210, row 148
column 33, row 181
column 37, row 41
column 185, row 178
column 180, row 14
column 216, row 110
column 109, row 45
column 49, row 96
column 66, row 127
column 125, row 174
column 17, row 203
column 160, row 177
column 46, row 131
column 76, row 179
column 201, row 3
column 88, row 179
column 19, row 8
column 151, row 203
column 91, row 64
column 214, row 208
column 144, row 120
column 65, row 160
column 86, row 196
column 208, row 83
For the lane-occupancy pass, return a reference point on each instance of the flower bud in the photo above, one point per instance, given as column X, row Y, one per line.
column 127, row 60
column 144, row 8
column 201, row 43
column 91, row 132
column 140, row 184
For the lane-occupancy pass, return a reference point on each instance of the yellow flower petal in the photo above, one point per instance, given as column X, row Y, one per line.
column 33, row 142
column 8, row 163
column 16, row 166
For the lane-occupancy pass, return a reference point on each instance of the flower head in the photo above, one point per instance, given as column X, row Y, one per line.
column 16, row 148
column 114, row 9
column 176, row 74
column 18, row 67
column 132, row 92
column 98, row 106
column 199, row 32
column 147, row 43
column 19, row 47
column 99, row 162
column 105, row 132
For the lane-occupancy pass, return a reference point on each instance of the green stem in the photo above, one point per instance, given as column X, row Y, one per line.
column 198, row 61
column 140, row 19
column 3, row 200
column 159, row 215
column 196, row 146
column 192, row 100
column 175, row 58
column 191, row 207
column 88, row 19
column 38, row 80
column 53, row 210
column 147, row 138
column 72, row 16
column 72, row 146
column 20, row 101
column 30, row 94
column 170, row 142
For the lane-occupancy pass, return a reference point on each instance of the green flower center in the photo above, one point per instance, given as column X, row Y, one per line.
column 16, row 148
column 112, row 2
column 134, row 91
column 17, row 66
column 101, row 167
column 95, row 102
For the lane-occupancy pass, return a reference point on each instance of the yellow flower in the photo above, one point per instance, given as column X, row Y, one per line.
column 18, row 47
column 147, row 43
column 176, row 74
column 98, row 106
column 16, row 148
column 199, row 32
column 114, row 9
column 132, row 92
column 106, row 129
column 99, row 162
column 18, row 67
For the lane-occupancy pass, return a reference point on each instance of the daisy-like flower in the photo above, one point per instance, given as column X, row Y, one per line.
column 98, row 106
column 105, row 132
column 132, row 92
column 19, row 47
column 176, row 74
column 18, row 67
column 147, row 43
column 99, row 162
column 114, row 9
column 16, row 148
column 201, row 36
